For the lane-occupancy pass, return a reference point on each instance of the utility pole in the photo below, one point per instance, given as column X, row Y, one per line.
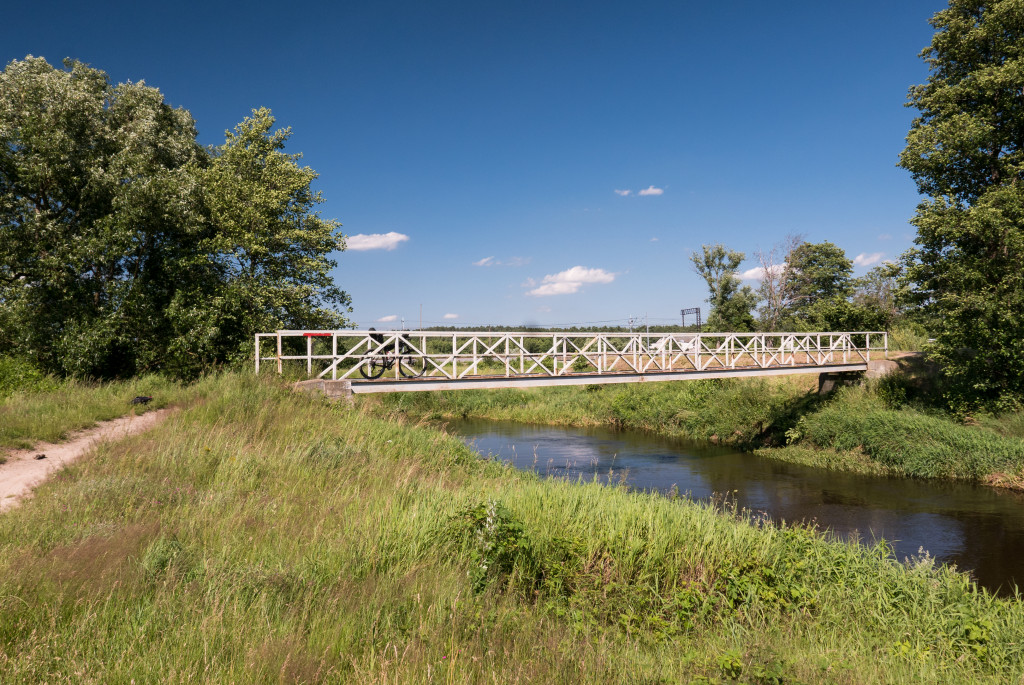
column 421, row 316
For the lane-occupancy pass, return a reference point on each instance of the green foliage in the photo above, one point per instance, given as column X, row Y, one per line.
column 496, row 542
column 883, row 289
column 908, row 336
column 126, row 246
column 818, row 280
column 731, row 304
column 20, row 375
column 966, row 153
column 893, row 389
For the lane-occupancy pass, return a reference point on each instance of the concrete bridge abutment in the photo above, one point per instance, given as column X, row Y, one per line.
column 830, row 380
column 332, row 390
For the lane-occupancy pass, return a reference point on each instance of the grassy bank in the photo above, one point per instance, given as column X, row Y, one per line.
column 258, row 536
column 743, row 412
column 875, row 428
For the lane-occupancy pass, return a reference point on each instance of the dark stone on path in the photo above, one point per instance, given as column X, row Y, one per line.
column 39, row 456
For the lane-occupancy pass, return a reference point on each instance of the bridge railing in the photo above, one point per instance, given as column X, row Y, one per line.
column 456, row 355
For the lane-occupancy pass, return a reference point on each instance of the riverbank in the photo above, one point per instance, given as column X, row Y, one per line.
column 878, row 428
column 259, row 535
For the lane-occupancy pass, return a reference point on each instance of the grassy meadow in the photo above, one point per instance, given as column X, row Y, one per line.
column 258, row 535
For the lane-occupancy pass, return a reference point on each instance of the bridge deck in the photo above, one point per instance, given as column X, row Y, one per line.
column 537, row 381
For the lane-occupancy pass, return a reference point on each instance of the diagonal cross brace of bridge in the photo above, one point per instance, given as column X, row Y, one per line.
column 522, row 359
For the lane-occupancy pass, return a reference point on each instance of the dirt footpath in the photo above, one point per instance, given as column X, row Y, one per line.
column 23, row 471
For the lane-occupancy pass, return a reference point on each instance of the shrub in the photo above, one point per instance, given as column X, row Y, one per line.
column 911, row 337
column 20, row 375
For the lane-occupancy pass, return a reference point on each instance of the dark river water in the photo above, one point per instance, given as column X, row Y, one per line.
column 977, row 528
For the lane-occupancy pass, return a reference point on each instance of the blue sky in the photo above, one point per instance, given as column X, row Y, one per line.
column 485, row 143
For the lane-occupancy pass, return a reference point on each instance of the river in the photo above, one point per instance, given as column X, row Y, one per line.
column 977, row 528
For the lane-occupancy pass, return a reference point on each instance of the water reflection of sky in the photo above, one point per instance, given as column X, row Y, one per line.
column 974, row 527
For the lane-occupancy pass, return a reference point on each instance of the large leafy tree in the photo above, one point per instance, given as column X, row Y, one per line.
column 882, row 290
column 731, row 303
column 121, row 237
column 266, row 249
column 817, row 275
column 966, row 153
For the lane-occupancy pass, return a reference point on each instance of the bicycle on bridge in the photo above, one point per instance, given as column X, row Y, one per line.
column 410, row 364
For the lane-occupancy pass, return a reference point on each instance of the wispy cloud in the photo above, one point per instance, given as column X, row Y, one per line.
column 375, row 241
column 569, row 281
column 654, row 240
column 864, row 259
column 885, row 236
column 511, row 261
column 451, row 316
column 651, row 190
column 758, row 272
column 387, row 319
column 623, row 193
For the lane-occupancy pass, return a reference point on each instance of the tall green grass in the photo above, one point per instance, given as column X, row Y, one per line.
column 258, row 535
column 52, row 410
column 910, row 441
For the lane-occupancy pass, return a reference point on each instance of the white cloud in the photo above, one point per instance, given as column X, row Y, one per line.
column 388, row 318
column 375, row 241
column 651, row 190
column 566, row 288
column 864, row 259
column 569, row 281
column 757, row 273
column 486, row 261
column 517, row 261
column 623, row 193
column 885, row 236
column 654, row 240
column 451, row 316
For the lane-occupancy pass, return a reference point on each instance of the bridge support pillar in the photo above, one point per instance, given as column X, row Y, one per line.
column 332, row 390
column 827, row 382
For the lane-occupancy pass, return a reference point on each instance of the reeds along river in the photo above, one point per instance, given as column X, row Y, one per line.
column 977, row 528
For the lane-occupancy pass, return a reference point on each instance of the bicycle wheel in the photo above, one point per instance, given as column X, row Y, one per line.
column 412, row 366
column 373, row 368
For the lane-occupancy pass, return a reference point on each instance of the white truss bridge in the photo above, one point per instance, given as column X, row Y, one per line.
column 409, row 361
